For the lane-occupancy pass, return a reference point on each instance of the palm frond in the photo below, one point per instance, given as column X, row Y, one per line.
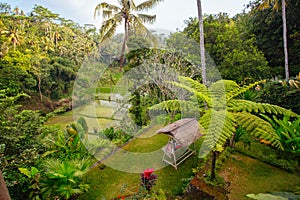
column 109, row 27
column 258, row 128
column 219, row 126
column 138, row 27
column 271, row 3
column 101, row 7
column 150, row 19
column 107, row 14
column 147, row 5
column 236, row 105
column 264, row 5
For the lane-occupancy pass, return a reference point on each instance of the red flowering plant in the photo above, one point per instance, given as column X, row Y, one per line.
column 148, row 179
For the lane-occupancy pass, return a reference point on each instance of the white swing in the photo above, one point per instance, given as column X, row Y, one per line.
column 182, row 134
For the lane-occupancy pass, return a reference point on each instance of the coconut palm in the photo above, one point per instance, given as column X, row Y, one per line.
column 124, row 12
column 224, row 113
column 276, row 5
column 14, row 34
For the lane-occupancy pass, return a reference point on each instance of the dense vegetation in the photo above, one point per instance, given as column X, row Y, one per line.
column 41, row 53
column 246, row 105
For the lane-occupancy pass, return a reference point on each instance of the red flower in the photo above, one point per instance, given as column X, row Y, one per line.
column 148, row 172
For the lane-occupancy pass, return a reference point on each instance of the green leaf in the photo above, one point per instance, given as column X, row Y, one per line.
column 261, row 196
column 34, row 171
column 25, row 171
column 48, row 153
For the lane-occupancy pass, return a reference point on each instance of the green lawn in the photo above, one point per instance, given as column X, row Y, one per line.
column 109, row 183
column 247, row 175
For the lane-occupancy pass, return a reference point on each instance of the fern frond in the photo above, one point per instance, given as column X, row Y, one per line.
column 249, row 106
column 258, row 127
column 201, row 96
column 219, row 126
column 199, row 87
column 176, row 105
column 223, row 86
column 240, row 90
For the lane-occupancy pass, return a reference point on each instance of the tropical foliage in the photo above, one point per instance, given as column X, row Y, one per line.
column 41, row 52
column 267, row 27
column 225, row 113
column 288, row 131
column 236, row 57
column 64, row 179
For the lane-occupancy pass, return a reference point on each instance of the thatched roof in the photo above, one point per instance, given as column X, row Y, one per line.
column 185, row 131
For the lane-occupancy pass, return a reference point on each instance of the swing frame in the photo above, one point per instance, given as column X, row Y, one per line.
column 182, row 135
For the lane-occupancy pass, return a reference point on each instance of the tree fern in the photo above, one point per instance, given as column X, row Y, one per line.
column 176, row 105
column 236, row 105
column 193, row 84
column 219, row 126
column 201, row 96
column 258, row 127
column 224, row 113
column 240, row 90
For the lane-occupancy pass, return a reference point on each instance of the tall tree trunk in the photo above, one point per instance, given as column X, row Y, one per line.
column 202, row 50
column 124, row 45
column 39, row 87
column 4, row 195
column 286, row 59
column 213, row 165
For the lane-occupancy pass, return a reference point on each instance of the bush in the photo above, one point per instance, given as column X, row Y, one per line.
column 118, row 137
column 282, row 95
column 288, row 165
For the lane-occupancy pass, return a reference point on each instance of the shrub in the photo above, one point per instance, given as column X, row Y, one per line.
column 282, row 95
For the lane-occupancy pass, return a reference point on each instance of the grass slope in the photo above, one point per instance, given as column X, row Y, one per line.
column 247, row 175
column 108, row 183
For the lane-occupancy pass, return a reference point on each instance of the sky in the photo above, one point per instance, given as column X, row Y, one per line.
column 170, row 14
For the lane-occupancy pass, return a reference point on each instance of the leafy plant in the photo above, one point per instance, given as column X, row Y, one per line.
column 66, row 143
column 288, row 130
column 118, row 136
column 225, row 112
column 64, row 179
column 34, row 174
column 261, row 196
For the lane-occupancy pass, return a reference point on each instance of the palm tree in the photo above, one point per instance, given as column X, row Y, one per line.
column 14, row 34
column 276, row 5
column 124, row 12
column 224, row 113
column 202, row 50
